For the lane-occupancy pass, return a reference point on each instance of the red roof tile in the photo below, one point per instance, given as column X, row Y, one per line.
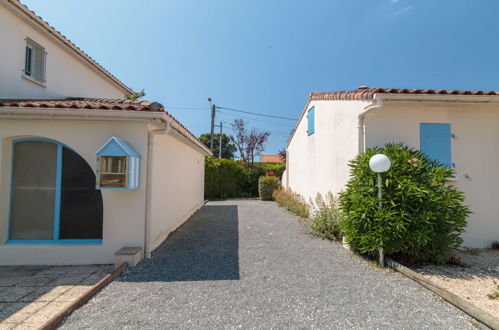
column 366, row 93
column 85, row 103
column 271, row 159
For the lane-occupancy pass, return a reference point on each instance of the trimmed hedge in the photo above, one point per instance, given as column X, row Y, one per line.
column 225, row 178
column 266, row 186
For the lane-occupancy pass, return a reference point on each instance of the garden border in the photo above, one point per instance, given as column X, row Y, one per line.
column 53, row 322
column 470, row 309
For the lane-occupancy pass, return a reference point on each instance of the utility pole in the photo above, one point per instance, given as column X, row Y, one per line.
column 220, row 143
column 213, row 110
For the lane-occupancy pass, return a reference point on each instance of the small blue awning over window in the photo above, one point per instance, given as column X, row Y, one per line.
column 117, row 147
column 435, row 142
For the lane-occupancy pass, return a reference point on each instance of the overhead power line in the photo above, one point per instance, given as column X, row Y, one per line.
column 231, row 109
column 253, row 119
column 189, row 108
column 256, row 114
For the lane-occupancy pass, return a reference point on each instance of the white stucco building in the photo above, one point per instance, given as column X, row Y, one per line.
column 458, row 128
column 83, row 171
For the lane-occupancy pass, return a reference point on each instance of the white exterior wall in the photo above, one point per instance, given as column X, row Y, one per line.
column 474, row 151
column 124, row 210
column 65, row 74
column 319, row 163
column 177, row 186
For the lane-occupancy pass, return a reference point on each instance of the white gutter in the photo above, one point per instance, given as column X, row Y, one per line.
column 375, row 105
column 165, row 129
column 77, row 114
column 100, row 115
column 441, row 98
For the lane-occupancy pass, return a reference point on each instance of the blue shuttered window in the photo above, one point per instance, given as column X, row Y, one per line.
column 311, row 121
column 435, row 142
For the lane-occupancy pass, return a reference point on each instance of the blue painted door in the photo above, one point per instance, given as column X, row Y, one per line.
column 435, row 142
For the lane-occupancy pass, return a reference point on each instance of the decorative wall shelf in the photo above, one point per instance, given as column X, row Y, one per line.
column 118, row 165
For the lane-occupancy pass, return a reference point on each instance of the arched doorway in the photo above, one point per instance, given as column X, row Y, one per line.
column 53, row 195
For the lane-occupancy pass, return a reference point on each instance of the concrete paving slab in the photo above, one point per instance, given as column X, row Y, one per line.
column 32, row 295
column 13, row 294
column 25, row 312
column 35, row 280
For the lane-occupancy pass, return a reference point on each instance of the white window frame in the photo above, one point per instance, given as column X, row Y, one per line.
column 35, row 63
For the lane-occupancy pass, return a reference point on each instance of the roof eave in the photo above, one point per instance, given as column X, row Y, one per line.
column 454, row 98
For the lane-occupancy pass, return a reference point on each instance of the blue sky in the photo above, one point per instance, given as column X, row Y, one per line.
column 268, row 55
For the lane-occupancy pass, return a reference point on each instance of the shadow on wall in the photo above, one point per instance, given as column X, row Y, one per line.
column 205, row 248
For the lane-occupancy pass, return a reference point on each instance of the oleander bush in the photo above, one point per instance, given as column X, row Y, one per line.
column 327, row 218
column 266, row 186
column 422, row 214
column 291, row 201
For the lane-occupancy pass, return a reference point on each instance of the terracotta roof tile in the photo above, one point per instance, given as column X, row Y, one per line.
column 365, row 93
column 85, row 103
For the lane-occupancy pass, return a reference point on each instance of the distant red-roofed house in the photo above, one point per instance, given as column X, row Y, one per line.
column 84, row 171
column 271, row 159
column 460, row 129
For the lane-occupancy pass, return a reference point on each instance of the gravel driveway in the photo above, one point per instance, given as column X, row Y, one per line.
column 249, row 264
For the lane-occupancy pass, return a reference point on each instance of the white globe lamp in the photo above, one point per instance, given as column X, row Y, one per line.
column 380, row 163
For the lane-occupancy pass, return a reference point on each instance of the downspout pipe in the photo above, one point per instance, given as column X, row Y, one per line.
column 164, row 129
column 376, row 105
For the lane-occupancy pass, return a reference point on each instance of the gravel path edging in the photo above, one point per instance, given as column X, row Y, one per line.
column 92, row 291
column 470, row 309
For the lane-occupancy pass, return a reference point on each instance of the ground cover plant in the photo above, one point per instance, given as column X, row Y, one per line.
column 291, row 201
column 422, row 214
column 327, row 218
column 494, row 295
column 266, row 186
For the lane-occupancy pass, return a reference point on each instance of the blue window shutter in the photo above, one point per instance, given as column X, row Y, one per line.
column 435, row 142
column 311, row 121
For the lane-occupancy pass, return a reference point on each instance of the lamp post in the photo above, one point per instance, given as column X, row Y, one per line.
column 380, row 163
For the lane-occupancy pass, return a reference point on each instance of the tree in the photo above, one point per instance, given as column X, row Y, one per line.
column 136, row 95
column 228, row 149
column 249, row 143
column 282, row 154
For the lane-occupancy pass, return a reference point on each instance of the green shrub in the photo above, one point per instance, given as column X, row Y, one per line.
column 327, row 218
column 422, row 215
column 260, row 169
column 225, row 178
column 266, row 186
column 291, row 201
